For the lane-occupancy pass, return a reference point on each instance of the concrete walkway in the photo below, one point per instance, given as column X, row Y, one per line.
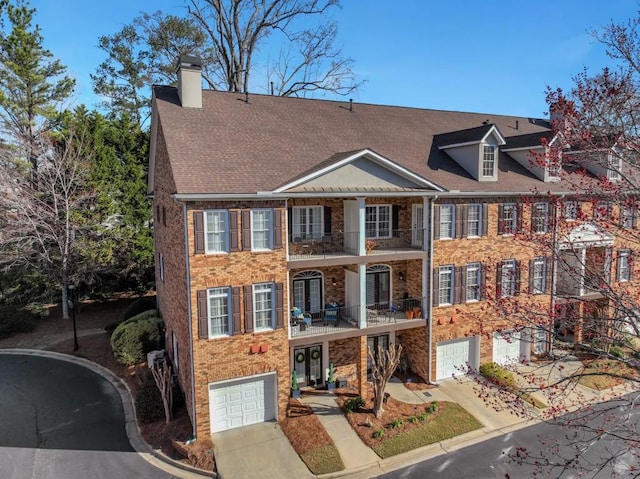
column 353, row 451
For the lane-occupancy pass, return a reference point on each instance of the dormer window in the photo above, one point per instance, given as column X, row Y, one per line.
column 489, row 160
column 613, row 168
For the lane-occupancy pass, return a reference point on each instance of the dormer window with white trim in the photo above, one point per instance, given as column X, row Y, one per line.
column 489, row 154
column 613, row 167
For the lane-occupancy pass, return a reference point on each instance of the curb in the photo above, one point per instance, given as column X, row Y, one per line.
column 134, row 435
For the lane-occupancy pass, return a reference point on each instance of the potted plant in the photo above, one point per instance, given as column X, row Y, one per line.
column 331, row 381
column 295, row 389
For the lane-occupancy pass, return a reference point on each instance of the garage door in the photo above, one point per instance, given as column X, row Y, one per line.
column 452, row 357
column 242, row 402
column 507, row 347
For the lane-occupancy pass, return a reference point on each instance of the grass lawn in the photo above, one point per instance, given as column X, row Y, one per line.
column 310, row 439
column 450, row 420
column 600, row 374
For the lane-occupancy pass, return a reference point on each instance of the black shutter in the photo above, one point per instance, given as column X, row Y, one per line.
column 277, row 229
column 279, row 306
column 500, row 219
column 465, row 222
column 327, row 220
column 248, row 309
column 532, row 265
column 519, row 218
column 548, row 273
column 436, row 222
column 235, row 298
column 198, row 226
column 246, row 230
column 483, row 281
column 234, row 240
column 517, row 272
column 630, row 265
column 458, row 223
column 485, row 219
column 395, row 219
column 290, row 224
column 457, row 285
column 551, row 217
column 436, row 286
column 203, row 314
column 499, row 279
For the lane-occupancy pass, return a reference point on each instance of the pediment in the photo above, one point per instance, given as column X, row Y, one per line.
column 360, row 172
column 586, row 235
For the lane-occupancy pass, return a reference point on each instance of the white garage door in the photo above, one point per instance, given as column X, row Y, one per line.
column 242, row 402
column 452, row 357
column 507, row 347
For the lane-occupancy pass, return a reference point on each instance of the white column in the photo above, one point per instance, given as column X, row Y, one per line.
column 362, row 277
column 361, row 227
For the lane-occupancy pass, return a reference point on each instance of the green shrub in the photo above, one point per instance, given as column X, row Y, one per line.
column 149, row 313
column 433, row 407
column 140, row 305
column 396, row 423
column 414, row 419
column 379, row 433
column 498, row 375
column 149, row 405
column 14, row 320
column 424, row 416
column 353, row 404
column 131, row 341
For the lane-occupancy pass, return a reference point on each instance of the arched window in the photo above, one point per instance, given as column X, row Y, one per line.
column 308, row 291
column 379, row 286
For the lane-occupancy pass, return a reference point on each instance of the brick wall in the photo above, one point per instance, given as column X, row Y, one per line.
column 344, row 354
column 416, row 348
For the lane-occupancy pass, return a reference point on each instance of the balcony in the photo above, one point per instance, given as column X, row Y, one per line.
column 346, row 318
column 322, row 246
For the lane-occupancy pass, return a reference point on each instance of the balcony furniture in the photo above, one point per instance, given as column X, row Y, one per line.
column 298, row 318
column 331, row 314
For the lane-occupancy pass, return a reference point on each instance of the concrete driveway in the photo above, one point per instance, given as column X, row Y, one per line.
column 61, row 420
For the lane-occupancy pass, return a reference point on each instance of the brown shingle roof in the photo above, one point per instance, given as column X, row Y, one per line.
column 230, row 146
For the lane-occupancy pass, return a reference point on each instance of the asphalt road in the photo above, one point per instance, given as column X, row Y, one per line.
column 491, row 459
column 59, row 420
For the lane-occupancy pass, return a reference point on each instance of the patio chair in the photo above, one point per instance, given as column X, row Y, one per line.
column 331, row 314
column 300, row 319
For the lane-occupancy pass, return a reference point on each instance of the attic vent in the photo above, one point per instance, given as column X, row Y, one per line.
column 486, row 122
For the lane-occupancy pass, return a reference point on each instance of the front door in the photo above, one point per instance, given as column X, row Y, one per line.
column 308, row 365
column 372, row 345
column 417, row 232
column 307, row 291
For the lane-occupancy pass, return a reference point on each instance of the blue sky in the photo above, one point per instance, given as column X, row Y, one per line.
column 492, row 56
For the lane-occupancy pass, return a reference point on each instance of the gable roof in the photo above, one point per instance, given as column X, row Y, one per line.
column 469, row 136
column 234, row 146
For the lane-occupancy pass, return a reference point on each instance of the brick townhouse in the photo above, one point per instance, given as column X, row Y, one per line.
column 293, row 233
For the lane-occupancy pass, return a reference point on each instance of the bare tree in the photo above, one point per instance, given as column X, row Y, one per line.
column 383, row 364
column 47, row 220
column 239, row 30
column 161, row 371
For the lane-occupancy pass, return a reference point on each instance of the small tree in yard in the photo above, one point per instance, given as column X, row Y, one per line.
column 161, row 371
column 383, row 364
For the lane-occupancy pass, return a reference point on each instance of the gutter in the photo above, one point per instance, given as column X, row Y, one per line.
column 189, row 313
column 261, row 195
column 429, row 274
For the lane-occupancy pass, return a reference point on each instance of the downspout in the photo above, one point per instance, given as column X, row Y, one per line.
column 554, row 272
column 188, row 279
column 429, row 280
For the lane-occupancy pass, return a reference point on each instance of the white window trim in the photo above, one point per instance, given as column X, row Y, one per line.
column 452, row 230
column 624, row 254
column 574, row 210
column 226, row 232
column 478, row 269
column 545, row 217
column 508, row 265
column 614, row 167
column 494, row 161
column 543, row 278
column 514, row 220
column 270, row 231
column 377, row 208
column 220, row 292
column 255, row 291
column 304, row 236
column 479, row 205
column 447, row 269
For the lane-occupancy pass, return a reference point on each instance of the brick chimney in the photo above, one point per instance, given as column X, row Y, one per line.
column 189, row 70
